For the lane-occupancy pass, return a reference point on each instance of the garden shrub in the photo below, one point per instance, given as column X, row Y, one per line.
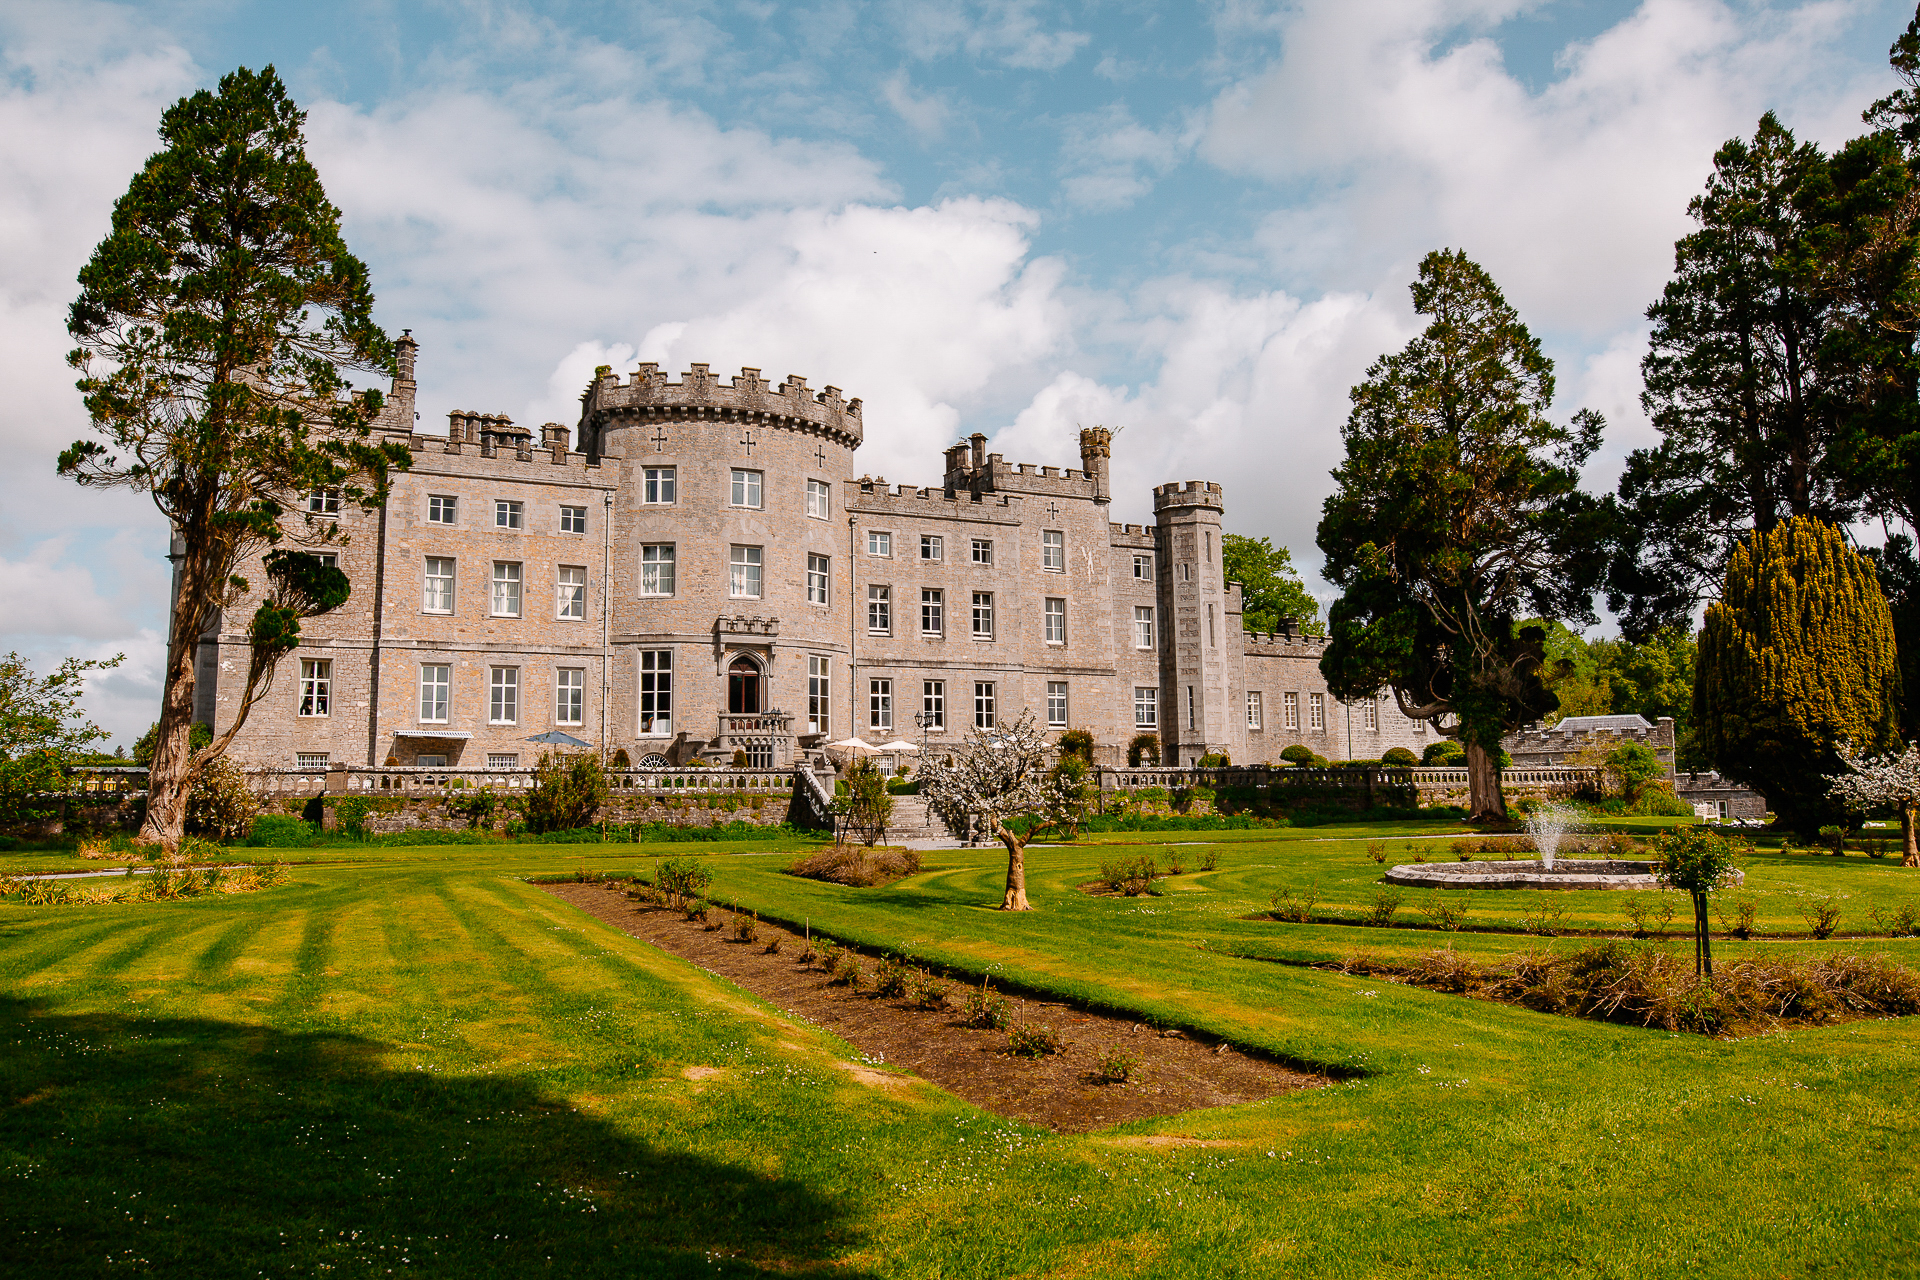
column 928, row 991
column 1445, row 754
column 987, row 1009
column 890, row 977
column 858, row 865
column 1822, row 915
column 1297, row 909
column 1115, row 1066
column 1144, row 749
column 682, row 879
column 1385, row 903
column 568, row 790
column 1132, row 876
column 1032, row 1040
column 220, row 804
column 1745, row 908
column 1077, row 742
column 1399, row 758
column 746, row 928
column 279, row 831
column 1444, row 915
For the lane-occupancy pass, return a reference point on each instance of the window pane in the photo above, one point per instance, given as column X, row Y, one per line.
column 933, row 702
column 819, row 501
column 819, row 693
column 506, row 515
column 879, row 609
column 503, row 693
column 1056, row 621
column 1053, row 550
column 743, row 578
column 880, row 704
column 656, row 692
column 573, row 519
column 931, row 546
column 569, row 695
column 316, row 686
column 506, row 589
column 570, row 592
column 983, row 704
column 440, row 509
column 1143, row 568
column 983, row 615
column 1143, row 626
column 656, row 569
column 1146, row 708
column 658, row 485
column 438, row 594
column 932, row 609
column 746, row 489
column 879, row 543
column 982, row 551
column 819, row 579
column 1056, row 704
column 436, row 682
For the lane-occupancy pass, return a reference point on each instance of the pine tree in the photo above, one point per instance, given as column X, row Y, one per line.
column 213, row 325
column 1796, row 657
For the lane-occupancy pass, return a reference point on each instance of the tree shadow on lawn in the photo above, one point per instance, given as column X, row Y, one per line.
column 200, row 1148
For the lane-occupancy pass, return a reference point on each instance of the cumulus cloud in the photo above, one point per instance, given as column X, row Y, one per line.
column 1014, row 33
column 1111, row 159
column 925, row 114
column 1572, row 196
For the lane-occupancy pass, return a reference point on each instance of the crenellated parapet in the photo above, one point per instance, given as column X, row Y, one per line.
column 1283, row 644
column 873, row 495
column 648, row 396
column 1188, row 495
column 1140, row 536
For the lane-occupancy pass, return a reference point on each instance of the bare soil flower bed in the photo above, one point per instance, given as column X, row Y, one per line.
column 1175, row 1072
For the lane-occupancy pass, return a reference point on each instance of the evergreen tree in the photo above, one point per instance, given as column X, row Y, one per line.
column 1745, row 409
column 1456, row 513
column 1270, row 590
column 213, row 325
column 1796, row 657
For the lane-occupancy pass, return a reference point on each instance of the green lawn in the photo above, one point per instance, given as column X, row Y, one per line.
column 417, row 1062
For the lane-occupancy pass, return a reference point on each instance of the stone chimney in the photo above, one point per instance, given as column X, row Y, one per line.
column 979, row 443
column 553, row 438
column 1096, row 448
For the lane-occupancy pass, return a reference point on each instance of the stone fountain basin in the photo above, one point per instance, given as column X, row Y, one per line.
column 1567, row 873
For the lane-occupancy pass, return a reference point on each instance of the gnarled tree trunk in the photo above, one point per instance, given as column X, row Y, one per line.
column 1484, row 797
column 1015, row 898
column 169, row 775
column 1909, row 851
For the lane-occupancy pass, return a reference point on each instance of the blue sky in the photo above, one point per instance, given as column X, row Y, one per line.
column 1193, row 222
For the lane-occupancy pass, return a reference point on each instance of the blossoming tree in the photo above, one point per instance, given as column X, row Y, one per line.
column 993, row 777
column 1876, row 780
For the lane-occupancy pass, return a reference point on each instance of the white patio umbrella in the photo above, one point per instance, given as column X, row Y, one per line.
column 846, row 749
column 898, row 744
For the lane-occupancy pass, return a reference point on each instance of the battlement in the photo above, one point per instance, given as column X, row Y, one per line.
column 441, row 455
column 1131, row 535
column 1191, row 493
column 873, row 495
column 1283, row 644
column 647, row 394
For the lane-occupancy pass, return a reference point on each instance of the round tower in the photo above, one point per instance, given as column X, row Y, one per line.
column 730, row 558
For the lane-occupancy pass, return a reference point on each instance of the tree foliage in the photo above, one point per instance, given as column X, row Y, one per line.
column 1456, row 513
column 867, row 807
column 213, row 327
column 41, row 733
column 1873, row 782
column 993, row 777
column 1270, row 589
column 1696, row 861
column 568, row 791
column 1796, row 656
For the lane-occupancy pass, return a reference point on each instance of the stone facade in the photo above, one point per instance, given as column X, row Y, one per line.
column 689, row 572
column 1579, row 740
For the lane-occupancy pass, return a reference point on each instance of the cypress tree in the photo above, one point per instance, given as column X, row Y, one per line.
column 1796, row 657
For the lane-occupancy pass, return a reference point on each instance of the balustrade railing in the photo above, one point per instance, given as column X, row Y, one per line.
column 1425, row 778
column 427, row 781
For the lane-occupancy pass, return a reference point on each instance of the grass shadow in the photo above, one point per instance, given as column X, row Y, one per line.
column 200, row 1147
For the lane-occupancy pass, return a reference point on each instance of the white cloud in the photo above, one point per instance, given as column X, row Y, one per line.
column 1112, row 159
column 1572, row 197
column 925, row 114
column 1012, row 33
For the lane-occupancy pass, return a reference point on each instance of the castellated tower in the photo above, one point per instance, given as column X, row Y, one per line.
column 1195, row 663
column 1096, row 449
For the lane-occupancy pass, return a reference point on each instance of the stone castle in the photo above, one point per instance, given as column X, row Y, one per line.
column 690, row 573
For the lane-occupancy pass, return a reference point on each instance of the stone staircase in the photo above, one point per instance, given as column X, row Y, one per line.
column 911, row 821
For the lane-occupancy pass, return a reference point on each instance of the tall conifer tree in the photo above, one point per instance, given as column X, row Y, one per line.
column 1796, row 657
column 213, row 325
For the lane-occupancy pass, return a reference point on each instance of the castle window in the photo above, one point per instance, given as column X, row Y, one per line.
column 1056, row 620
column 933, row 704
column 437, row 595
column 310, row 759
column 819, row 499
column 1317, row 712
column 503, row 760
column 656, row 693
column 983, row 615
column 1143, row 568
column 1053, row 550
column 573, row 519
column 819, row 579
column 743, row 687
column 933, row 611
column 880, row 704
column 932, row 547
column 983, row 551
column 983, row 704
column 326, row 559
column 879, row 610
column 743, row 573
column 656, row 569
column 1212, row 638
column 507, row 515
column 1290, row 710
column 1190, row 707
column 503, row 702
column 879, row 543
column 657, row 485
column 1146, row 708
column 1143, row 626
column 316, row 686
column 436, row 686
column 569, row 695
column 819, row 692
column 440, row 508
column 1370, row 715
column 506, row 589
column 1056, row 704
column 746, row 489
column 1186, row 571
column 570, row 592
column 1254, row 711
column 323, row 502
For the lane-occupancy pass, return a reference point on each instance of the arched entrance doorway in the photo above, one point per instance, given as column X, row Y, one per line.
column 743, row 687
